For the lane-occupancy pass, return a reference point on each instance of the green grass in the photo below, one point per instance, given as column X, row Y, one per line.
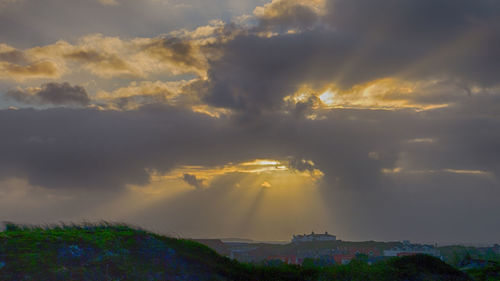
column 108, row 251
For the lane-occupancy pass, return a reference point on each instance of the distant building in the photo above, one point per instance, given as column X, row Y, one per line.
column 409, row 249
column 313, row 237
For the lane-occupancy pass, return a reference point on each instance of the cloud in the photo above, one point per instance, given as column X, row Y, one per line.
column 182, row 55
column 301, row 164
column 53, row 94
column 11, row 55
column 19, row 66
column 86, row 145
column 21, row 25
column 193, row 180
column 287, row 15
column 354, row 46
column 105, row 57
column 110, row 57
column 136, row 95
column 163, row 137
column 42, row 69
column 102, row 63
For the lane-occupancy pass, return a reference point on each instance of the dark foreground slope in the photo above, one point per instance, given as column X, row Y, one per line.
column 118, row 252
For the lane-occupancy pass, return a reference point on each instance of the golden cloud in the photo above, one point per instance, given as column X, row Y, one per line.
column 41, row 69
column 401, row 170
column 267, row 168
column 17, row 65
column 380, row 94
column 283, row 8
column 178, row 56
column 137, row 94
column 108, row 57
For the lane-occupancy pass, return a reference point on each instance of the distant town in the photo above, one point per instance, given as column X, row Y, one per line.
column 326, row 249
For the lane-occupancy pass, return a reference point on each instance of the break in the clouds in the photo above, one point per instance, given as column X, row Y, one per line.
column 371, row 119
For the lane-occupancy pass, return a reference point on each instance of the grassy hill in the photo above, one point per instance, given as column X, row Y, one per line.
column 119, row 252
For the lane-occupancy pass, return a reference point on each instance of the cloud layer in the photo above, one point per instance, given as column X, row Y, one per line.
column 52, row 93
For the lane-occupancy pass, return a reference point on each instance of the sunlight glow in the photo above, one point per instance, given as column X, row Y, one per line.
column 261, row 162
column 266, row 184
column 468, row 172
column 258, row 193
column 400, row 170
column 380, row 94
column 328, row 98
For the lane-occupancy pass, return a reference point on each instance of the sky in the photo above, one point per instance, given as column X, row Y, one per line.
column 369, row 119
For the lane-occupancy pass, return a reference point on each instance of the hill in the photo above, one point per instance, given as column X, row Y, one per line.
column 118, row 252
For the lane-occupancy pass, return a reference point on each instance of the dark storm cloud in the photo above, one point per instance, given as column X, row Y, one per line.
column 360, row 41
column 91, row 149
column 460, row 36
column 109, row 149
column 300, row 165
column 181, row 53
column 192, row 180
column 52, row 94
column 70, row 148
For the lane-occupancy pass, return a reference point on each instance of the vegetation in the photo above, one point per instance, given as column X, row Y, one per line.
column 455, row 255
column 119, row 252
column 490, row 273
